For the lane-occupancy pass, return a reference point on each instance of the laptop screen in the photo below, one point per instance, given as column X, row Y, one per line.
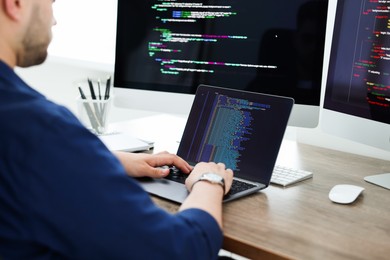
column 244, row 130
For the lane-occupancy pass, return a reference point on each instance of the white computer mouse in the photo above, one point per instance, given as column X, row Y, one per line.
column 345, row 193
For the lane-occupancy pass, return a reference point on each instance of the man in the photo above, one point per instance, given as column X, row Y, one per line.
column 63, row 194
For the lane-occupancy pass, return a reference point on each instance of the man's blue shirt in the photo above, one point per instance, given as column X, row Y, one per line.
column 64, row 195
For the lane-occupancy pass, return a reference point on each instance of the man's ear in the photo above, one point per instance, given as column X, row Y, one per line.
column 12, row 8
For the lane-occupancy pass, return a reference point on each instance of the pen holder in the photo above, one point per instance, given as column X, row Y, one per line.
column 93, row 113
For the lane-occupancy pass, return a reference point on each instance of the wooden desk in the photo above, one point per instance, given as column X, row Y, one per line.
column 300, row 222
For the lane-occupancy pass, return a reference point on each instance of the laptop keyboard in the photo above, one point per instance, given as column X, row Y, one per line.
column 176, row 175
column 237, row 185
column 283, row 176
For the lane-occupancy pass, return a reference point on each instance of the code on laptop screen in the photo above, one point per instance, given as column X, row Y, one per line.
column 242, row 130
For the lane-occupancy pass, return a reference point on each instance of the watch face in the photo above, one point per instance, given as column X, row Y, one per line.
column 213, row 177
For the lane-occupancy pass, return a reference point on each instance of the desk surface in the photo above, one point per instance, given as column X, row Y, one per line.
column 300, row 222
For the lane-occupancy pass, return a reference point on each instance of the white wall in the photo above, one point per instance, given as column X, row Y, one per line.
column 84, row 46
column 85, row 30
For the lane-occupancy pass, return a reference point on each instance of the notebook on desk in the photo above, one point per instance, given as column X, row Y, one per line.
column 244, row 130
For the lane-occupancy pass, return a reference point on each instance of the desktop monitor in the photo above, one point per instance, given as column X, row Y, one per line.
column 357, row 95
column 166, row 48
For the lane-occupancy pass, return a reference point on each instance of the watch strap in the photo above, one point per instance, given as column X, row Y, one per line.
column 211, row 178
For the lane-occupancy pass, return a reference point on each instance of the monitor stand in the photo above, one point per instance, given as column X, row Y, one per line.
column 382, row 180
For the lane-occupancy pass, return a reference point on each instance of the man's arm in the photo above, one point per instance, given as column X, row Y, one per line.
column 205, row 195
column 146, row 165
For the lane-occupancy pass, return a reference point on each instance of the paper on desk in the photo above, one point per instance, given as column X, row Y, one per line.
column 124, row 142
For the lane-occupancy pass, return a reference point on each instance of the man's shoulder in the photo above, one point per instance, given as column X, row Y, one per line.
column 34, row 119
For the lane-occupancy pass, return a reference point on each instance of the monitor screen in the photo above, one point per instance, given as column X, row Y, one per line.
column 274, row 47
column 357, row 97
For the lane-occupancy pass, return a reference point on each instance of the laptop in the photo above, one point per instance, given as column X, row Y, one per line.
column 242, row 129
column 124, row 142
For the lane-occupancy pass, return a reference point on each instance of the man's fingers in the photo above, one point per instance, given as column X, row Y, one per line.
column 171, row 159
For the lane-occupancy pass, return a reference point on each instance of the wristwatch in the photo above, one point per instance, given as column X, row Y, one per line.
column 212, row 178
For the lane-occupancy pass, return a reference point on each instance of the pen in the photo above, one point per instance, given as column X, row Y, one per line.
column 91, row 115
column 97, row 110
column 101, row 106
column 82, row 93
column 100, row 95
column 108, row 83
column 91, row 89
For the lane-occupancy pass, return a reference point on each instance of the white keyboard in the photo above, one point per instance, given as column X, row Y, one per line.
column 286, row 176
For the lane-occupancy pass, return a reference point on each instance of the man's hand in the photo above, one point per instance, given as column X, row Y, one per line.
column 146, row 165
column 204, row 195
column 203, row 167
